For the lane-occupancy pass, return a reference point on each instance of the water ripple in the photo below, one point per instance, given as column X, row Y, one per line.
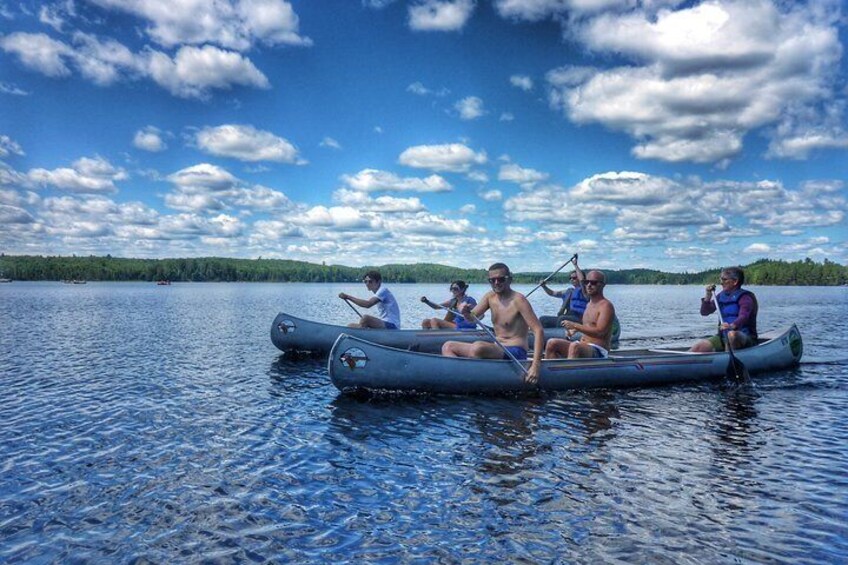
column 145, row 424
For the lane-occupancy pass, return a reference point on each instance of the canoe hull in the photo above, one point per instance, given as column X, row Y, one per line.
column 357, row 364
column 290, row 333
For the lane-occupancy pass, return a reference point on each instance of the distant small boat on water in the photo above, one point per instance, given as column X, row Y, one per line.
column 5, row 280
column 163, row 283
column 74, row 281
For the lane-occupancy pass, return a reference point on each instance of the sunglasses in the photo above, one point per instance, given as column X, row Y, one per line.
column 592, row 283
column 573, row 278
column 725, row 279
column 498, row 280
column 455, row 288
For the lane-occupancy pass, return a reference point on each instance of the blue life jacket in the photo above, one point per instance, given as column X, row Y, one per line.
column 729, row 306
column 578, row 301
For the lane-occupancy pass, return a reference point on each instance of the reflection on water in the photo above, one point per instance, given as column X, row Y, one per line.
column 145, row 423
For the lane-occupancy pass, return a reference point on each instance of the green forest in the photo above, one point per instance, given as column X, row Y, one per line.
column 219, row 269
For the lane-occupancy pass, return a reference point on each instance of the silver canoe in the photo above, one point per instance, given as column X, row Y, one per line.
column 357, row 364
column 290, row 333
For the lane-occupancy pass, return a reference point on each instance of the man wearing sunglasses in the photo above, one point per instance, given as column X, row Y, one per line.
column 512, row 317
column 738, row 313
column 387, row 306
column 596, row 327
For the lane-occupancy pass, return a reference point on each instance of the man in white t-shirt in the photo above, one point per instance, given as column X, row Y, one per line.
column 385, row 301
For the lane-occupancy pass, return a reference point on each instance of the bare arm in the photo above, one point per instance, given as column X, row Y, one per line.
column 535, row 326
column 478, row 310
column 579, row 272
column 433, row 305
column 548, row 291
column 602, row 327
column 360, row 301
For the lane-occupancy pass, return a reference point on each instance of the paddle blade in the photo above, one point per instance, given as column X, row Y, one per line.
column 736, row 369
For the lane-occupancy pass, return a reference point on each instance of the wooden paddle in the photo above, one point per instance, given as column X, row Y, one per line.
column 735, row 368
column 573, row 258
column 492, row 335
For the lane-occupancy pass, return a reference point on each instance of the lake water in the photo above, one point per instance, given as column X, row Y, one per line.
column 145, row 423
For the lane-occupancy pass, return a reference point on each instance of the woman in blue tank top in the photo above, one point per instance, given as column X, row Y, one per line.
column 451, row 321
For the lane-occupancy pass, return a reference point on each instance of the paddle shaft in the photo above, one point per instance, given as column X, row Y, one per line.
column 573, row 257
column 495, row 339
column 352, row 308
column 734, row 360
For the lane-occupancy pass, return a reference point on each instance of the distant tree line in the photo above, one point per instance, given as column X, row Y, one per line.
column 220, row 269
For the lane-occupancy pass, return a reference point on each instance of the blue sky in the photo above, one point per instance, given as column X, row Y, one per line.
column 639, row 133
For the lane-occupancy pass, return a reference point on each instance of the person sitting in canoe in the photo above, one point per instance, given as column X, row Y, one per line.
column 738, row 313
column 512, row 317
column 574, row 302
column 596, row 327
column 451, row 321
column 387, row 306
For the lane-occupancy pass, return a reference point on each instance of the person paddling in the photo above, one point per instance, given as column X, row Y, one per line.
column 738, row 313
column 387, row 306
column 512, row 317
column 458, row 302
column 596, row 327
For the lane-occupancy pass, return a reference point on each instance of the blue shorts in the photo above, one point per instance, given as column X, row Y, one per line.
column 390, row 326
column 518, row 352
column 465, row 325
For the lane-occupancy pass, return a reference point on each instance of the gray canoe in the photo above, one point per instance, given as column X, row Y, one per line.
column 290, row 333
column 356, row 364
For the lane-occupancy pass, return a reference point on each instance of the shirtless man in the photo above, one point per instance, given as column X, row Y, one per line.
column 512, row 317
column 596, row 327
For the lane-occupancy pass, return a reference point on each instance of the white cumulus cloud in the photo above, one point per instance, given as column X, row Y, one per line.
column 370, row 180
column 450, row 157
column 440, row 15
column 705, row 75
column 149, row 139
column 470, row 108
column 86, row 175
column 231, row 24
column 193, row 72
column 512, row 172
column 523, row 82
column 246, row 143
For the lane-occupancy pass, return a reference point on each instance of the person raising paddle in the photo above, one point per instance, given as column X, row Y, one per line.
column 513, row 318
column 574, row 302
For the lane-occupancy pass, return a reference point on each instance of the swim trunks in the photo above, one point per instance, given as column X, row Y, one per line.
column 518, row 352
column 598, row 352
